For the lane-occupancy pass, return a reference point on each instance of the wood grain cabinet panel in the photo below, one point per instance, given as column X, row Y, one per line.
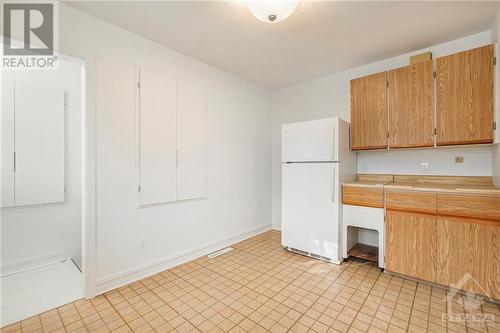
column 369, row 112
column 363, row 196
column 410, row 106
column 411, row 201
column 468, row 255
column 411, row 244
column 481, row 207
column 464, row 97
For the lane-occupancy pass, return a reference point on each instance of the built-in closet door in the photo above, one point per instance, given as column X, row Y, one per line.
column 40, row 107
column 157, row 137
column 191, row 141
column 7, row 142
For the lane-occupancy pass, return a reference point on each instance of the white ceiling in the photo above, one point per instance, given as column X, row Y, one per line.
column 321, row 37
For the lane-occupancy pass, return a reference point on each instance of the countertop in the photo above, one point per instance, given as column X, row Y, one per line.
column 373, row 181
column 365, row 183
column 444, row 188
column 443, row 184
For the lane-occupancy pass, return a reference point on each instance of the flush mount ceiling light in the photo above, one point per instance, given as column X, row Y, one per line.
column 272, row 11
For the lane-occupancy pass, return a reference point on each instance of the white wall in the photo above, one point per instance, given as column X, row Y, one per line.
column 477, row 161
column 32, row 235
column 329, row 96
column 238, row 160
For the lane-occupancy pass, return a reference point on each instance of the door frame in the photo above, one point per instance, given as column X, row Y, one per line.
column 88, row 172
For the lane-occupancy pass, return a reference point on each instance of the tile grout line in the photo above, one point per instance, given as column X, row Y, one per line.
column 378, row 277
column 364, row 301
column 180, row 277
column 412, row 304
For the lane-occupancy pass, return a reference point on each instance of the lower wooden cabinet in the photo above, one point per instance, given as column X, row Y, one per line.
column 468, row 254
column 411, row 244
column 456, row 245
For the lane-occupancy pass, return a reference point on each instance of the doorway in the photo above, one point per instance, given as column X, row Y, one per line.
column 43, row 189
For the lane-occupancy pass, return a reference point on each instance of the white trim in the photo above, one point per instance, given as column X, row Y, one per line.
column 32, row 263
column 127, row 276
column 89, row 131
column 220, row 252
column 276, row 227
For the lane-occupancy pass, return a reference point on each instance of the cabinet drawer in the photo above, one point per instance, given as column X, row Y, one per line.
column 363, row 196
column 411, row 201
column 480, row 207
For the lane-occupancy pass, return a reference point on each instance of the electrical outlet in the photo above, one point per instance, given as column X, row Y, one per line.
column 424, row 166
column 459, row 159
column 143, row 244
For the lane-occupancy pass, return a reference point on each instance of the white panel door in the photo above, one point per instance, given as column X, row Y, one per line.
column 308, row 141
column 191, row 146
column 39, row 139
column 157, row 138
column 7, row 141
column 310, row 208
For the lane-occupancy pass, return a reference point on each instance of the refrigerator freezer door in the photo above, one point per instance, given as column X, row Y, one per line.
column 309, row 141
column 310, row 208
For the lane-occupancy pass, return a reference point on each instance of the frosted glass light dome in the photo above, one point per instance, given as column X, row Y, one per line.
column 272, row 11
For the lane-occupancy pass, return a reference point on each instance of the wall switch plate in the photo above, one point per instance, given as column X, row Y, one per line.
column 424, row 166
column 459, row 159
column 143, row 244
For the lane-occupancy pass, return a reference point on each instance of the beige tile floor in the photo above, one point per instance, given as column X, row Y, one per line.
column 259, row 287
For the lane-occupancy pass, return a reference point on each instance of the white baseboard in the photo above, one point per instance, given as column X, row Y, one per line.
column 32, row 263
column 276, row 227
column 124, row 277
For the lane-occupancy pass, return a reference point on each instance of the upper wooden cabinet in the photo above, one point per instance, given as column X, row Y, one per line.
column 395, row 109
column 464, row 97
column 369, row 112
column 410, row 106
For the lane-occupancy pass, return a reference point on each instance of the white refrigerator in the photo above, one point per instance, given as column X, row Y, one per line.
column 316, row 159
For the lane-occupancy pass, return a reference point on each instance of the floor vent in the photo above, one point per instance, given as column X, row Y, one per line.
column 320, row 257
column 309, row 254
column 298, row 251
column 220, row 252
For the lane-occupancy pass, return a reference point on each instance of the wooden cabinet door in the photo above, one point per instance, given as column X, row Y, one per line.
column 410, row 240
column 369, row 112
column 469, row 254
column 464, row 97
column 410, row 106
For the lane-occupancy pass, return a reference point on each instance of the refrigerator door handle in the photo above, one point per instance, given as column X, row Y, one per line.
column 333, row 183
